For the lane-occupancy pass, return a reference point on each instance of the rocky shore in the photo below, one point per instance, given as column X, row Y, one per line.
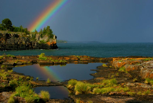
column 10, row 41
column 117, row 80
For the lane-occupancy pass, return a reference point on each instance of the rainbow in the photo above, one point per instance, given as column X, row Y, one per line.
column 49, row 12
column 49, row 72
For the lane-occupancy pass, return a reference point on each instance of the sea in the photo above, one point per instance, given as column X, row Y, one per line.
column 92, row 49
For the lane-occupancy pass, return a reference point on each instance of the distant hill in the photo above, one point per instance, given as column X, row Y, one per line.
column 61, row 41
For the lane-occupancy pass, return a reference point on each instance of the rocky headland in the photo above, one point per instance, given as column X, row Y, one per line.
column 14, row 41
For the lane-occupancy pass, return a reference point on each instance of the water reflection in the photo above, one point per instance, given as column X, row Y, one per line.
column 56, row 92
column 59, row 73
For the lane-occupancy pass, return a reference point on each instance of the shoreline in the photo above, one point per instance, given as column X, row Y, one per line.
column 128, row 77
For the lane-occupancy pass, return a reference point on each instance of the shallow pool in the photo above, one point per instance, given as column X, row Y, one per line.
column 59, row 73
column 56, row 92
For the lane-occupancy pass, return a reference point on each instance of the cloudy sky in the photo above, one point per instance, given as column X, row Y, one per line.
column 88, row 20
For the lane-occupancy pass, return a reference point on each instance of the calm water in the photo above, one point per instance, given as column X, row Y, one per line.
column 56, row 92
column 59, row 73
column 96, row 50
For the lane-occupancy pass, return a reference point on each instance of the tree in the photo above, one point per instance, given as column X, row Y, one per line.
column 36, row 32
column 7, row 24
column 44, row 31
column 1, row 27
column 21, row 28
column 41, row 33
column 49, row 32
column 26, row 31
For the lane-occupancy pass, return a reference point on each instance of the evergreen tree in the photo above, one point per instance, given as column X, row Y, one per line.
column 21, row 28
column 26, row 31
column 49, row 32
column 36, row 32
column 7, row 24
column 1, row 27
column 41, row 33
column 44, row 31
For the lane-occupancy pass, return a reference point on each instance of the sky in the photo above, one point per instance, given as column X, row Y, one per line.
column 88, row 20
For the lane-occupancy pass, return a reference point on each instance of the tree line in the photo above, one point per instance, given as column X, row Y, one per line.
column 6, row 25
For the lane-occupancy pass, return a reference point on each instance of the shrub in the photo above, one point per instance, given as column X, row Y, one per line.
column 9, row 55
column 27, row 93
column 29, row 99
column 13, row 83
column 3, row 66
column 109, row 82
column 122, row 69
column 96, row 91
column 82, row 88
column 11, row 100
column 131, row 93
column 48, row 80
column 148, row 80
column 107, row 90
column 104, row 65
column 42, row 56
column 89, row 101
column 71, row 83
column 37, row 78
column 77, row 100
column 45, row 95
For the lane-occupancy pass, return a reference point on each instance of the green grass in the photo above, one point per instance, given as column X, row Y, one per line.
column 148, row 80
column 109, row 82
column 45, row 95
column 71, row 83
column 147, row 59
column 27, row 93
column 42, row 56
column 104, row 65
column 131, row 93
column 11, row 100
column 13, row 83
column 9, row 55
column 105, row 86
column 122, row 69
column 3, row 66
column 78, row 100
column 82, row 88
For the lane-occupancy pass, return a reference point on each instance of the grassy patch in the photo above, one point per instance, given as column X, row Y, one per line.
column 148, row 80
column 27, row 93
column 71, row 83
column 45, row 95
column 82, row 88
column 42, row 56
column 104, row 65
column 122, row 69
column 48, row 80
column 147, row 59
column 9, row 55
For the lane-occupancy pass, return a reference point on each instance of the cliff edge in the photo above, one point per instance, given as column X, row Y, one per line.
column 13, row 41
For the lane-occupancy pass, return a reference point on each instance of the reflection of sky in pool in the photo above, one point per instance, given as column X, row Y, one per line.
column 59, row 73
column 56, row 92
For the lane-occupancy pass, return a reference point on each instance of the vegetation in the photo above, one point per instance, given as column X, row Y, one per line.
column 48, row 80
column 42, row 56
column 148, row 80
column 104, row 65
column 45, row 95
column 7, row 26
column 122, row 69
column 105, row 86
